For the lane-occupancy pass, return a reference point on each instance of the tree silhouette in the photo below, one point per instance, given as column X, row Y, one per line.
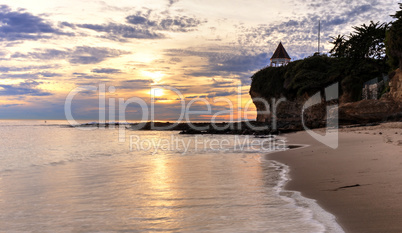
column 339, row 46
column 394, row 40
column 367, row 41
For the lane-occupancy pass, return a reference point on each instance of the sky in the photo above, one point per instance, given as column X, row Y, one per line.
column 193, row 54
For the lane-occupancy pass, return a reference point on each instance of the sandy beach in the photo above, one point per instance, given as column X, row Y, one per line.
column 360, row 182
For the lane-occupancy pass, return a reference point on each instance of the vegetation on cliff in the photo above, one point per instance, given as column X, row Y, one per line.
column 313, row 74
column 355, row 59
column 394, row 40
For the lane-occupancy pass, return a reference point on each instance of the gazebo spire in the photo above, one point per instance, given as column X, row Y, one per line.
column 280, row 56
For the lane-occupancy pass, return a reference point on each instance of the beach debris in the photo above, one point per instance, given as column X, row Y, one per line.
column 348, row 186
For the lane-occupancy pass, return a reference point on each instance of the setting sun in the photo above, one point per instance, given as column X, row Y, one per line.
column 156, row 92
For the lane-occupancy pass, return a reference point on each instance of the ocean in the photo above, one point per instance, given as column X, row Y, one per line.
column 55, row 178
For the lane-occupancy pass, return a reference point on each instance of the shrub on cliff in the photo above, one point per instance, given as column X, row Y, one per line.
column 310, row 75
column 366, row 41
column 394, row 40
column 269, row 82
column 302, row 76
column 313, row 74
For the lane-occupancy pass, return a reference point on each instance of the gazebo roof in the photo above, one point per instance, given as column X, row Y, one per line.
column 280, row 52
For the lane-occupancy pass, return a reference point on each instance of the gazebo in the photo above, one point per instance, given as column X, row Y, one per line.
column 280, row 57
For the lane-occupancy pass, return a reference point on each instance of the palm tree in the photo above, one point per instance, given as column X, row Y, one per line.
column 367, row 41
column 339, row 46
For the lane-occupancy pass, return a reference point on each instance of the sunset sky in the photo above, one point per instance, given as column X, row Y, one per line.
column 203, row 48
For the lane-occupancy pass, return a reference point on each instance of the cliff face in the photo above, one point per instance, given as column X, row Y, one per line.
column 288, row 114
column 261, row 117
column 395, row 86
column 388, row 107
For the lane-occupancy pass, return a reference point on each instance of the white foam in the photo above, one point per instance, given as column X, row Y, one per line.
column 312, row 212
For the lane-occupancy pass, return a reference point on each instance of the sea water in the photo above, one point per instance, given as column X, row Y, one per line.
column 55, row 178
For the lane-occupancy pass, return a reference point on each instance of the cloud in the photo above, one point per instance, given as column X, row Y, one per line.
column 238, row 62
column 2, row 54
column 167, row 23
column 106, row 71
column 175, row 60
column 47, row 54
column 30, row 75
column 223, row 83
column 21, row 25
column 49, row 74
column 352, row 14
column 6, row 69
column 142, row 25
column 223, row 61
column 78, row 55
column 135, row 84
column 93, row 55
column 299, row 33
column 89, row 76
column 9, row 105
column 115, row 31
column 66, row 24
column 94, row 80
column 171, row 2
column 222, row 94
column 140, row 19
column 21, row 89
column 203, row 73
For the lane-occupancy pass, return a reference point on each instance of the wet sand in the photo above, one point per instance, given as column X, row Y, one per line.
column 360, row 182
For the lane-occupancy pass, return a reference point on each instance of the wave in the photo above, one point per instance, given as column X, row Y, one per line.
column 312, row 212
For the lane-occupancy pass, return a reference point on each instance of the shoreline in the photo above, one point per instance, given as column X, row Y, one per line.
column 358, row 182
column 311, row 210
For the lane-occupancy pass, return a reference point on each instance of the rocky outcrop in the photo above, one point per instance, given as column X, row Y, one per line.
column 289, row 113
column 260, row 106
column 286, row 115
column 367, row 111
column 388, row 107
column 395, row 86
